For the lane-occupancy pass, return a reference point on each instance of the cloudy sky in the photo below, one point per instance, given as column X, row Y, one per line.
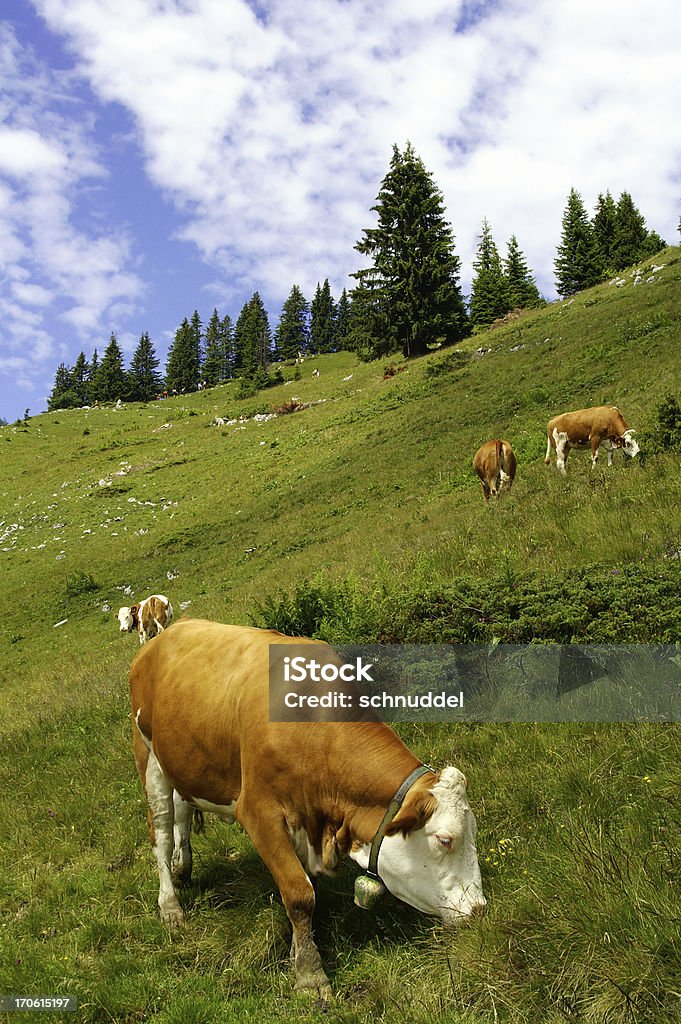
column 161, row 156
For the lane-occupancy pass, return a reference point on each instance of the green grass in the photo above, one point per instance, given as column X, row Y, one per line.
column 371, row 492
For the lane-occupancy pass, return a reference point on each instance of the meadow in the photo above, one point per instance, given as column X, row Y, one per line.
column 357, row 517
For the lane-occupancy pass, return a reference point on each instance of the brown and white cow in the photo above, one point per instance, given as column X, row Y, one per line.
column 495, row 464
column 305, row 792
column 602, row 426
column 149, row 617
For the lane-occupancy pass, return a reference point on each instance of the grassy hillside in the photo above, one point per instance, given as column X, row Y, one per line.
column 370, row 490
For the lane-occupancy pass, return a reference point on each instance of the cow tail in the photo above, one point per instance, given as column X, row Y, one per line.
column 547, row 457
column 500, row 454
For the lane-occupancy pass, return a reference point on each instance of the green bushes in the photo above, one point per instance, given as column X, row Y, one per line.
column 635, row 603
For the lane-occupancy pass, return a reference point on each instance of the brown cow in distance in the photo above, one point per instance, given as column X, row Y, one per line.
column 495, row 464
column 602, row 426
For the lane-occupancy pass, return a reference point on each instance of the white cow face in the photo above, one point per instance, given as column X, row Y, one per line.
column 435, row 868
column 125, row 619
column 630, row 446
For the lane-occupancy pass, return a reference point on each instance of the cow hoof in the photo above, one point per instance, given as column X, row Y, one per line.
column 316, row 986
column 173, row 917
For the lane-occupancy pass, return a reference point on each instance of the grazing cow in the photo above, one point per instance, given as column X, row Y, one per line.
column 305, row 792
column 603, row 426
column 149, row 617
column 495, row 464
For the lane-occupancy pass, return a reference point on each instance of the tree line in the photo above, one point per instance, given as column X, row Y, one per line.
column 407, row 299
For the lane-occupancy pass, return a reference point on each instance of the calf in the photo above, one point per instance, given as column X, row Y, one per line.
column 602, row 425
column 149, row 617
column 495, row 464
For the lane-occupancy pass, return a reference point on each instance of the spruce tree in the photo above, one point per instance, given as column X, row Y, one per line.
column 64, row 394
column 604, row 226
column 578, row 263
column 413, row 282
column 80, row 375
column 522, row 290
column 322, row 319
column 212, row 372
column 253, row 341
column 197, row 346
column 111, row 381
column 144, row 380
column 343, row 310
column 490, row 297
column 629, row 243
column 182, row 369
column 293, row 332
column 227, row 347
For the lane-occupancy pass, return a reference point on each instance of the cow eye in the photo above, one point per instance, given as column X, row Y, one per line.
column 444, row 842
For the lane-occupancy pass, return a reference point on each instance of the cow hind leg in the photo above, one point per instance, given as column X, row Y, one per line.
column 485, row 489
column 181, row 864
column 160, row 796
column 272, row 841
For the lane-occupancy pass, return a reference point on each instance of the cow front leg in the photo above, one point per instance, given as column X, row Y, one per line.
column 271, row 839
column 160, row 797
column 181, row 864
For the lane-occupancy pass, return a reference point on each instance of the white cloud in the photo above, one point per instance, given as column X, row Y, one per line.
column 47, row 160
column 272, row 135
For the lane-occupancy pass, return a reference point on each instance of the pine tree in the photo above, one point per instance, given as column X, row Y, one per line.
column 81, row 376
column 212, row 372
column 94, row 370
column 522, row 290
column 604, row 226
column 413, row 283
column 490, row 296
column 144, row 380
column 369, row 333
column 343, row 312
column 630, row 234
column 227, row 349
column 64, row 394
column 197, row 346
column 578, row 264
column 293, row 333
column 111, row 381
column 182, row 369
column 322, row 319
column 253, row 340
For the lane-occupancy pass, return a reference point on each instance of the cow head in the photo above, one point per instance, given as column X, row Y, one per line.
column 126, row 619
column 428, row 858
column 629, row 446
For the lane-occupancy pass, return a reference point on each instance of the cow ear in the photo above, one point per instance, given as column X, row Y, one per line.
column 413, row 815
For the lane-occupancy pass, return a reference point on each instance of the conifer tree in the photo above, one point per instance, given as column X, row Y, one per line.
column 144, row 380
column 578, row 263
column 322, row 319
column 63, row 394
column 412, row 285
column 182, row 369
column 253, row 340
column 631, row 234
column 342, row 322
column 490, row 297
column 522, row 290
column 81, row 377
column 293, row 332
column 604, row 226
column 227, row 347
column 197, row 345
column 212, row 372
column 111, row 381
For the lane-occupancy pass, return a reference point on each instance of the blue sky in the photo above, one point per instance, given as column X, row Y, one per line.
column 161, row 156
